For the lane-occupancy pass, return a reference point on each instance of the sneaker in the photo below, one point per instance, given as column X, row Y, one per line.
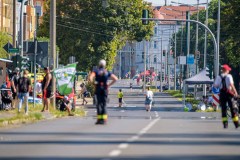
column 100, row 122
column 236, row 124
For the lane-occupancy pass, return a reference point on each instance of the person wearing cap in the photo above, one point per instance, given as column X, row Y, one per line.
column 46, row 88
column 100, row 76
column 227, row 93
column 14, row 81
column 24, row 86
column 65, row 105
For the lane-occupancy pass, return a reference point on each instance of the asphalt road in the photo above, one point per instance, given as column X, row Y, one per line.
column 131, row 133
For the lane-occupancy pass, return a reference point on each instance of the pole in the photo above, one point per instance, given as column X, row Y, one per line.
column 218, row 40
column 145, row 65
column 14, row 24
column 175, row 58
column 205, row 49
column 188, row 41
column 161, row 67
column 34, row 64
column 120, row 61
column 196, row 47
column 53, row 43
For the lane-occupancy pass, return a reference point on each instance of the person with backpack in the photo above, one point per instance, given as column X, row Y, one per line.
column 227, row 93
column 100, row 76
column 24, row 86
column 120, row 97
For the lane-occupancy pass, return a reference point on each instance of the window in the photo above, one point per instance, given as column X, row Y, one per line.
column 142, row 55
column 155, row 59
column 155, row 44
column 155, row 30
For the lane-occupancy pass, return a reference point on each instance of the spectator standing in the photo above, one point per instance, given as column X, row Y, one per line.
column 14, row 81
column 47, row 89
column 24, row 86
column 85, row 93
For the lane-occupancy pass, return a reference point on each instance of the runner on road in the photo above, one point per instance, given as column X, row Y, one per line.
column 227, row 94
column 120, row 97
column 101, row 76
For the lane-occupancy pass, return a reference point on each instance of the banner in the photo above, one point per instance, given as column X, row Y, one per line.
column 65, row 78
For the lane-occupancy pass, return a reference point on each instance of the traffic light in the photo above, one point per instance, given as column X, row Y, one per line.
column 164, row 52
column 16, row 61
column 145, row 14
column 207, row 72
column 24, row 63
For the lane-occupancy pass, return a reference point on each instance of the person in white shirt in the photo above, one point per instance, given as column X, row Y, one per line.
column 227, row 94
column 149, row 99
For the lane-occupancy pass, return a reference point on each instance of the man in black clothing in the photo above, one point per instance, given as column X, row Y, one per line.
column 47, row 89
column 14, row 81
column 101, row 76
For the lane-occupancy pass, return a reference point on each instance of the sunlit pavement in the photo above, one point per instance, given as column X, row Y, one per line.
column 131, row 133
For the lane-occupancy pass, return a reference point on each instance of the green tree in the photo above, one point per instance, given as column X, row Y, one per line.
column 90, row 31
column 4, row 39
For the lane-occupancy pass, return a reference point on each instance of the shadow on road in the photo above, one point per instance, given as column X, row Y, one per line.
column 178, row 157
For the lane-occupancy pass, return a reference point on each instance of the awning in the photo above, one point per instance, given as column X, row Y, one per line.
column 5, row 60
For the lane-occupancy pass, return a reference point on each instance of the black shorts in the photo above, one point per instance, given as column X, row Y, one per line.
column 47, row 94
column 120, row 100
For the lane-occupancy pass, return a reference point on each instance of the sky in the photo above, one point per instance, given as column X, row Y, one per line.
column 162, row 2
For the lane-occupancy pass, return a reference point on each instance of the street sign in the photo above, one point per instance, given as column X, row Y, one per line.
column 7, row 47
column 190, row 59
column 182, row 60
column 13, row 50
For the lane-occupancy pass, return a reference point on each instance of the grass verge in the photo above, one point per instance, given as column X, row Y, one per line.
column 12, row 117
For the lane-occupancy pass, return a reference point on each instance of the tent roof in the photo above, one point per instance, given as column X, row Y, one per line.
column 200, row 78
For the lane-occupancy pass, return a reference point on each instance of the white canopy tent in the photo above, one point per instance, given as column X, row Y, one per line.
column 200, row 78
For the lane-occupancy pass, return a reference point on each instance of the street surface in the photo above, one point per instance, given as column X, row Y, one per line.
column 165, row 133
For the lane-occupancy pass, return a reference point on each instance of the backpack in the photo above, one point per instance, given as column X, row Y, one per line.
column 23, row 84
column 224, row 87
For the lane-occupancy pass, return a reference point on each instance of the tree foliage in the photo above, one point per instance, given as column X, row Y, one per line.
column 91, row 31
column 229, row 34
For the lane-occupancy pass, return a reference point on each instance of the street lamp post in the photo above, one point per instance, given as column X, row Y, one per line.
column 21, row 27
column 218, row 39
column 205, row 49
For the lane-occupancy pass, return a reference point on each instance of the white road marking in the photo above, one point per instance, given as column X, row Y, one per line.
column 115, row 153
column 133, row 138
column 123, row 145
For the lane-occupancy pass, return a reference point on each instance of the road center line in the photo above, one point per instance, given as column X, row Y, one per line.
column 117, row 152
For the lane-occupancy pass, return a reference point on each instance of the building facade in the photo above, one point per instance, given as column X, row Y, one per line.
column 33, row 12
column 159, row 54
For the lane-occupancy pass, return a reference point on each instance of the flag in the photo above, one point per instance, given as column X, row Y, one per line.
column 65, row 78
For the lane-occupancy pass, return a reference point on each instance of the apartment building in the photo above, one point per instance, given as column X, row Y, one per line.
column 33, row 12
